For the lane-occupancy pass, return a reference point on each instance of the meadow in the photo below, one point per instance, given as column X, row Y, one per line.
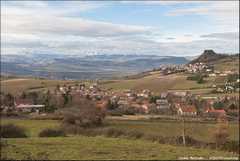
column 158, row 83
column 155, row 82
column 99, row 147
column 82, row 147
column 18, row 85
column 231, row 63
column 199, row 131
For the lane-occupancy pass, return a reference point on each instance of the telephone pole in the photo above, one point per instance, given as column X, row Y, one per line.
column 183, row 131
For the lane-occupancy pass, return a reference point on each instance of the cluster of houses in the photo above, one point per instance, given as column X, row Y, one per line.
column 171, row 69
column 81, row 90
column 167, row 103
column 198, row 67
column 171, row 102
column 23, row 106
column 206, row 69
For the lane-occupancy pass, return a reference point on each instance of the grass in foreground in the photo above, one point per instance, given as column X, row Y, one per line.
column 199, row 131
column 33, row 127
column 81, row 147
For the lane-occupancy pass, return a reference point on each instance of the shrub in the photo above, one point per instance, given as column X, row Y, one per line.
column 3, row 143
column 189, row 141
column 115, row 113
column 134, row 134
column 12, row 131
column 221, row 132
column 112, row 132
column 232, row 146
column 196, row 77
column 85, row 114
column 200, row 80
column 154, row 138
column 51, row 133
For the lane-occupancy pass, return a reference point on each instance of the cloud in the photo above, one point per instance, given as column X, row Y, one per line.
column 170, row 38
column 224, row 14
column 160, row 3
column 226, row 35
column 59, row 28
column 69, row 26
column 16, row 19
column 205, row 8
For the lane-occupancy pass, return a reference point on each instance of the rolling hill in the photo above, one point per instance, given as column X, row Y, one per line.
column 159, row 83
column 210, row 57
column 85, row 67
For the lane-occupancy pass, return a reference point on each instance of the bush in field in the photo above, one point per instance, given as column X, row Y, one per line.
column 153, row 99
column 8, row 100
column 134, row 134
column 218, row 105
column 113, row 132
column 232, row 146
column 115, row 112
column 12, row 131
column 51, row 133
column 83, row 113
column 3, row 143
column 196, row 77
column 189, row 141
column 221, row 133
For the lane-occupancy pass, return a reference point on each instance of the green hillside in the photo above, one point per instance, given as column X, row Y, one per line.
column 229, row 63
column 18, row 85
column 158, row 83
column 99, row 147
column 87, row 148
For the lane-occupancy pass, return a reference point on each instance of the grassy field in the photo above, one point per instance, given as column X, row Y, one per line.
column 227, row 64
column 15, row 86
column 33, row 127
column 200, row 131
column 154, row 82
column 158, row 83
column 82, row 147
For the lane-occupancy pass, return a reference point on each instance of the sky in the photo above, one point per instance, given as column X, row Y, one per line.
column 176, row 28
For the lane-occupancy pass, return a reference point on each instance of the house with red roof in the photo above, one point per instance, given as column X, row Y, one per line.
column 187, row 110
column 215, row 113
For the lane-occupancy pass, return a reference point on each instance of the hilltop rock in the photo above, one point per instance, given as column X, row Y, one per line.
column 208, row 56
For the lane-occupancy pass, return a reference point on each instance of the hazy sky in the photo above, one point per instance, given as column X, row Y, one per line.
column 125, row 27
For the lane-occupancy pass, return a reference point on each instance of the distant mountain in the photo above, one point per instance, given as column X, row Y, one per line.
column 190, row 58
column 209, row 56
column 84, row 67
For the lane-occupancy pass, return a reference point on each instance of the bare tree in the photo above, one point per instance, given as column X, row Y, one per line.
column 83, row 113
column 221, row 133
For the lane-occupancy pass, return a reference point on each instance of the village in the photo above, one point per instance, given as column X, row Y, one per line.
column 129, row 102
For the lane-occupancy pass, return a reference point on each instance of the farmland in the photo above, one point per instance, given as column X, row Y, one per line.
column 19, row 85
column 99, row 147
column 155, row 82
column 230, row 63
column 159, row 83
